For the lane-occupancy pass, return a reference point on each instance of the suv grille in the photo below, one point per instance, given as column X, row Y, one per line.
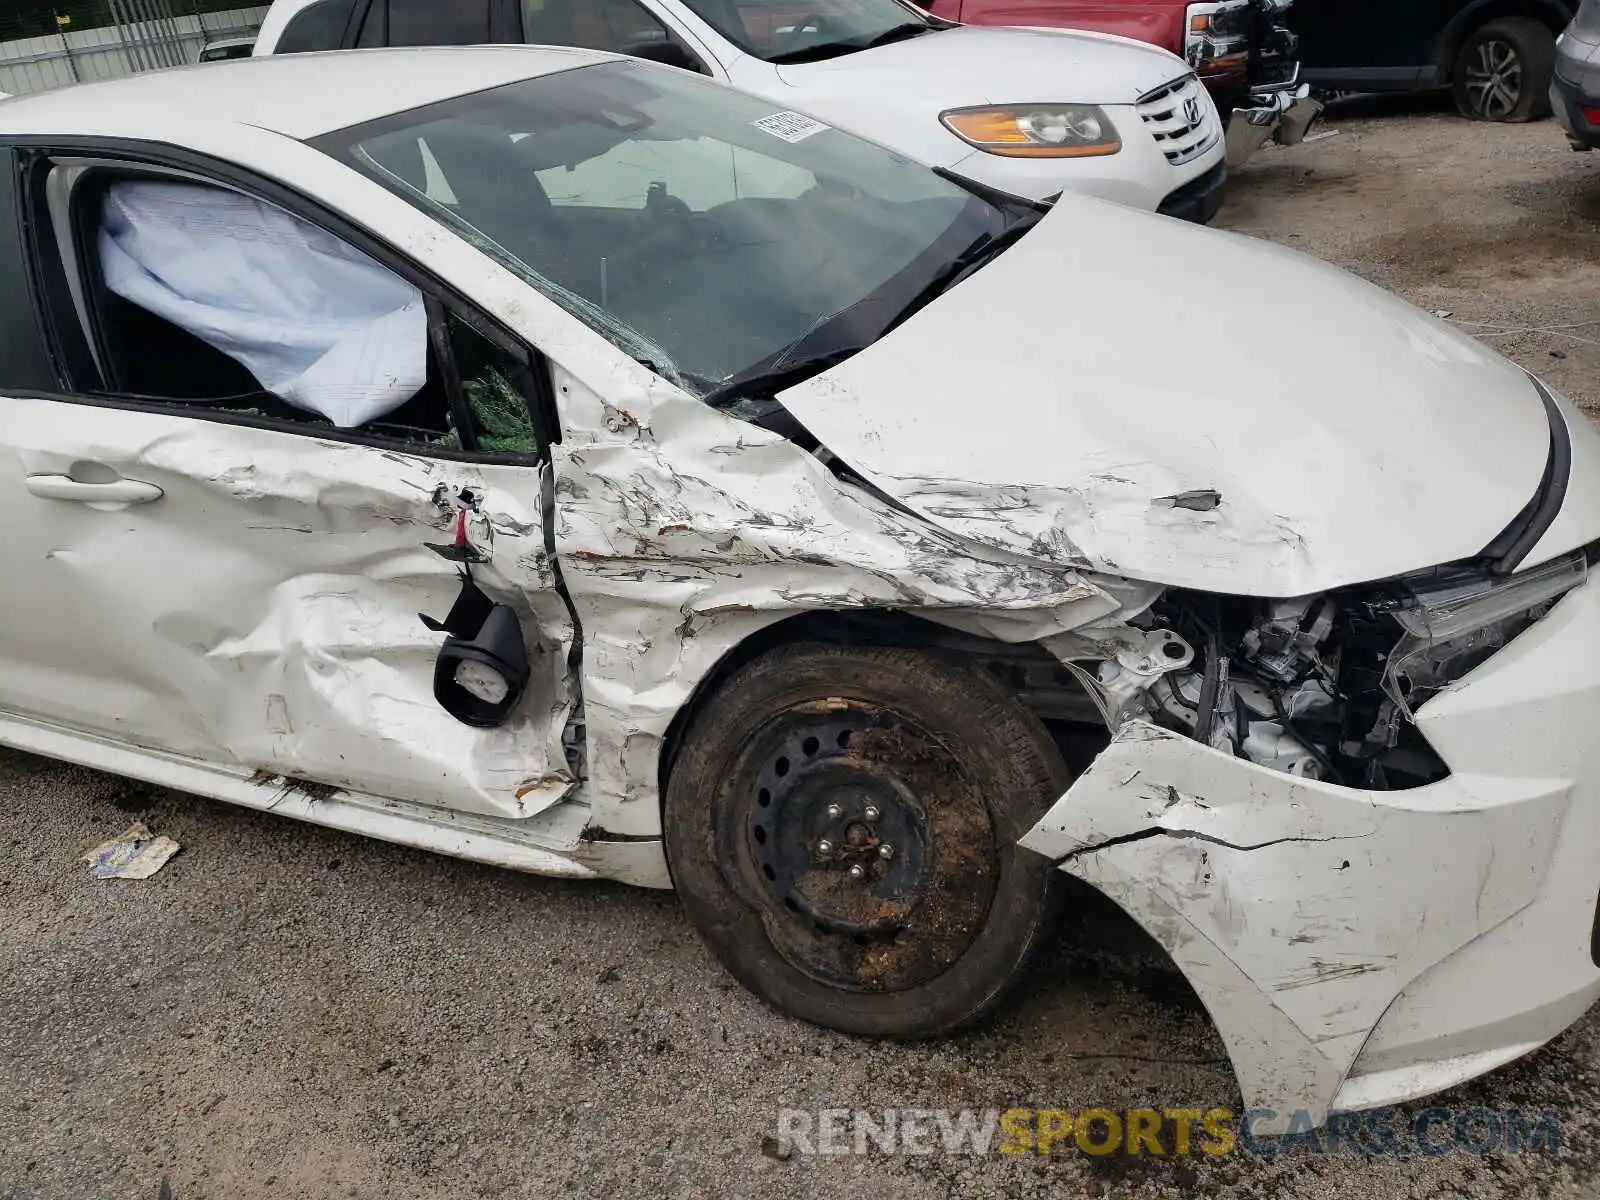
column 1179, row 118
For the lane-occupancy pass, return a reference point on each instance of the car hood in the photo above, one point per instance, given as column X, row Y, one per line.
column 1134, row 395
column 968, row 65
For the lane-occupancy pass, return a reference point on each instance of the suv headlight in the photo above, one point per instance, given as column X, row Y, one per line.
column 1035, row 130
column 1453, row 626
column 1216, row 39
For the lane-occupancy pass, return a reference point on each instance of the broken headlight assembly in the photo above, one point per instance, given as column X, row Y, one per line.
column 1329, row 686
column 1035, row 130
column 1452, row 625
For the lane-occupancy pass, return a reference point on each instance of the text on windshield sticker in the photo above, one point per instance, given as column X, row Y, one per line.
column 790, row 126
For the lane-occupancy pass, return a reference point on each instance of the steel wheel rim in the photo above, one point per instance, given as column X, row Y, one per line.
column 1494, row 79
column 836, row 905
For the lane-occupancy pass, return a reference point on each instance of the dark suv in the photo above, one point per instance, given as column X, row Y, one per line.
column 1497, row 55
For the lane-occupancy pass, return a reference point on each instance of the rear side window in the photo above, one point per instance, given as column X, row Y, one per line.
column 319, row 27
column 436, row 23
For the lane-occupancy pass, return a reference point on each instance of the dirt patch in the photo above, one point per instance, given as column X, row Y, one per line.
column 1471, row 255
column 1497, row 226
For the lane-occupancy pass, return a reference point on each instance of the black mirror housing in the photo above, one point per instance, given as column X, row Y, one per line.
column 485, row 639
column 667, row 53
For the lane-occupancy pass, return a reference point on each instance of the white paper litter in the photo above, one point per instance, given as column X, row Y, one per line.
column 319, row 324
column 135, row 853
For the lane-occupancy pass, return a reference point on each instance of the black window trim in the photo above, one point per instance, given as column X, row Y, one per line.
column 27, row 349
column 352, row 23
column 443, row 300
column 505, row 22
column 364, row 11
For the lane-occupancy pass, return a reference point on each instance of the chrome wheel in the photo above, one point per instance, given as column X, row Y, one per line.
column 1494, row 80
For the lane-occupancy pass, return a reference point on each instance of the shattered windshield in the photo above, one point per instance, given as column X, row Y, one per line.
column 783, row 31
column 702, row 231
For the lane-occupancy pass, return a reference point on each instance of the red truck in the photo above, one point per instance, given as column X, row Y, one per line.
column 1243, row 50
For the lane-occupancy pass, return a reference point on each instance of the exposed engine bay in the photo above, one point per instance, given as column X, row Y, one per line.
column 1327, row 686
column 1323, row 687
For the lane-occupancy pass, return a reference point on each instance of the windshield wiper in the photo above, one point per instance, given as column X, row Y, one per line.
column 778, row 371
column 977, row 255
column 815, row 51
column 772, row 376
column 818, row 50
column 1005, row 201
column 897, row 33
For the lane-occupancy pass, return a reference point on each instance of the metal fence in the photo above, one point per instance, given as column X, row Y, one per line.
column 106, row 39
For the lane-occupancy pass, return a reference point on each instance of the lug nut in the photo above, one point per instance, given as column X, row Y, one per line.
column 857, row 871
column 835, row 811
column 886, row 851
column 824, row 847
column 871, row 812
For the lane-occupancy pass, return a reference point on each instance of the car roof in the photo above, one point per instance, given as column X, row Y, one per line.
column 232, row 41
column 298, row 95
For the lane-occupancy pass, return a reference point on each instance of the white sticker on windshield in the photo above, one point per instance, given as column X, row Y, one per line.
column 790, row 126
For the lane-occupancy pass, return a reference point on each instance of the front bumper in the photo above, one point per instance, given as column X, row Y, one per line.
column 1358, row 948
column 1284, row 114
column 1198, row 200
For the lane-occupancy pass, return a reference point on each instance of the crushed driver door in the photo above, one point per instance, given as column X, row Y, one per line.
column 251, row 597
column 228, row 581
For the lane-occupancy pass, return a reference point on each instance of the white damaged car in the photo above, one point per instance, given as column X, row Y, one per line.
column 385, row 441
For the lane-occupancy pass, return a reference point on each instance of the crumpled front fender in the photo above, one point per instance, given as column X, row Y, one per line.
column 1298, row 910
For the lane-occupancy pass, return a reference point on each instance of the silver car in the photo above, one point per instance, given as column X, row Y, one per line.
column 1575, row 90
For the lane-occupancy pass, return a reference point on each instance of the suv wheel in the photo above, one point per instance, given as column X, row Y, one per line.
column 1503, row 71
column 842, row 828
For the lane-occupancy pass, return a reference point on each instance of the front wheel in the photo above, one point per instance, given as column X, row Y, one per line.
column 842, row 828
column 1503, row 71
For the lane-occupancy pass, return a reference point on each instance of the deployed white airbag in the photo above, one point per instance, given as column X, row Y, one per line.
column 319, row 324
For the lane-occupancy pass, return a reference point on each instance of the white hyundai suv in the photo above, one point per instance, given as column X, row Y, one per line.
column 1029, row 112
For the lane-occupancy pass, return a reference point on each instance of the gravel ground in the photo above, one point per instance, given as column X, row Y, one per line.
column 1497, row 225
column 288, row 1012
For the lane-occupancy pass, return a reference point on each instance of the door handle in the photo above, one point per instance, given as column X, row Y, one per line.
column 117, row 492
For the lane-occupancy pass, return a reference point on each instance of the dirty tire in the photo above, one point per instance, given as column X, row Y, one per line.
column 1515, row 54
column 792, row 780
